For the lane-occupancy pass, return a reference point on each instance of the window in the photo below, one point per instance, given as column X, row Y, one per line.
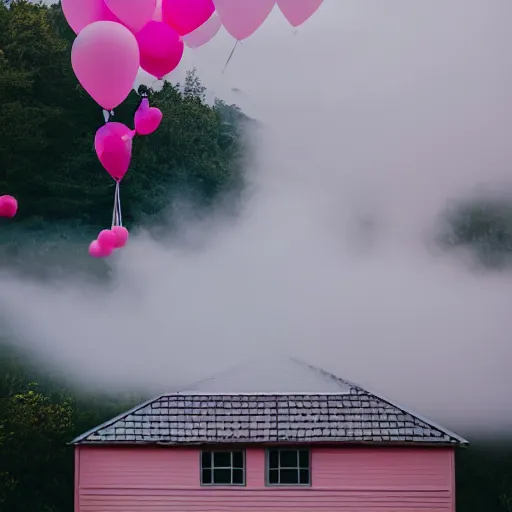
column 223, row 468
column 288, row 467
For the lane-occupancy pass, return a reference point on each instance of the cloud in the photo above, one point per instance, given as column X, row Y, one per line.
column 376, row 115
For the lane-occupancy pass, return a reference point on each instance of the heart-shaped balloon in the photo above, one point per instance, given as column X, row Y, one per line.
column 121, row 236
column 147, row 119
column 133, row 13
column 97, row 251
column 8, row 207
column 298, row 12
column 107, row 239
column 186, row 15
column 242, row 19
column 113, row 144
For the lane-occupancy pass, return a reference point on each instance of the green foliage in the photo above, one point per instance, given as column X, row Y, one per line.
column 484, row 226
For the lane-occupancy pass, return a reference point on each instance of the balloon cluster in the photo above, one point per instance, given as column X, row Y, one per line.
column 117, row 37
column 108, row 240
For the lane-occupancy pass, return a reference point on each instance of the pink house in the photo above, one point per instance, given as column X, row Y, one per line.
column 317, row 443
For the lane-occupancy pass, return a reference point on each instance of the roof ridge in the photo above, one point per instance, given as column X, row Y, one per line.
column 215, row 375
column 325, row 373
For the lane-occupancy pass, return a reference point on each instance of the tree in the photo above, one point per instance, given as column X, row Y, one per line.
column 482, row 225
column 34, row 429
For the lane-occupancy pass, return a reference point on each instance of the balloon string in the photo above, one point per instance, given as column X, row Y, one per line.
column 230, row 56
column 157, row 81
column 119, row 214
column 114, row 212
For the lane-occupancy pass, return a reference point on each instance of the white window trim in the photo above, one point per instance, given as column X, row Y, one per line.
column 213, row 467
column 298, row 467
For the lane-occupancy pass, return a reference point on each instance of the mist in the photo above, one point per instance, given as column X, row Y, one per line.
column 373, row 118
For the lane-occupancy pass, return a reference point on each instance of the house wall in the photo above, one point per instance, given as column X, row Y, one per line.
column 346, row 479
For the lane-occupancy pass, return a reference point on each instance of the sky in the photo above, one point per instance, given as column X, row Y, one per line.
column 376, row 116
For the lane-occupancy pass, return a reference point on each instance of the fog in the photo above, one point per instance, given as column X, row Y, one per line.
column 374, row 116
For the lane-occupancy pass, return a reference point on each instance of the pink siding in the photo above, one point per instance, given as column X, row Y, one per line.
column 343, row 480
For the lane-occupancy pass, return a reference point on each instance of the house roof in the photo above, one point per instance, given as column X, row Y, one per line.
column 314, row 407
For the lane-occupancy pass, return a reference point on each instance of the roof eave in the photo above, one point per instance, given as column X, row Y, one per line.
column 326, row 442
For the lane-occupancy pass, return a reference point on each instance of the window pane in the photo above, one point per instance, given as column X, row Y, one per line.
column 304, row 458
column 222, row 476
column 273, row 476
column 238, row 459
column 238, row 476
column 288, row 459
column 206, row 477
column 288, row 476
column 273, row 459
column 206, row 459
column 222, row 459
column 304, row 476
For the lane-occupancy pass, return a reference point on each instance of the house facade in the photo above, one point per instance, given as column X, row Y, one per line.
column 340, row 449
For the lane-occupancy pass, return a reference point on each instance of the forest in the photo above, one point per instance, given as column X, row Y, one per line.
column 47, row 123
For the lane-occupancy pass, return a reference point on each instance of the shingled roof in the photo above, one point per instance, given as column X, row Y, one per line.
column 342, row 413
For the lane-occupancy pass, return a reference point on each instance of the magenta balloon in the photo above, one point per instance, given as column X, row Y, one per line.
column 147, row 119
column 121, row 236
column 186, row 15
column 161, row 48
column 8, row 206
column 242, row 18
column 206, row 32
column 107, row 239
column 80, row 13
column 297, row 12
column 113, row 145
column 105, row 59
column 133, row 13
column 98, row 251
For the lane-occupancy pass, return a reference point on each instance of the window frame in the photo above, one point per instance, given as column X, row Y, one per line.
column 213, row 467
column 298, row 468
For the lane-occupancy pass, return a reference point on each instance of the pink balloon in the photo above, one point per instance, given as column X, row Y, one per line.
column 98, row 251
column 147, row 119
column 121, row 236
column 107, row 239
column 133, row 13
column 186, row 15
column 105, row 59
column 242, row 19
column 206, row 32
column 80, row 13
column 8, row 206
column 297, row 12
column 161, row 48
column 113, row 145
